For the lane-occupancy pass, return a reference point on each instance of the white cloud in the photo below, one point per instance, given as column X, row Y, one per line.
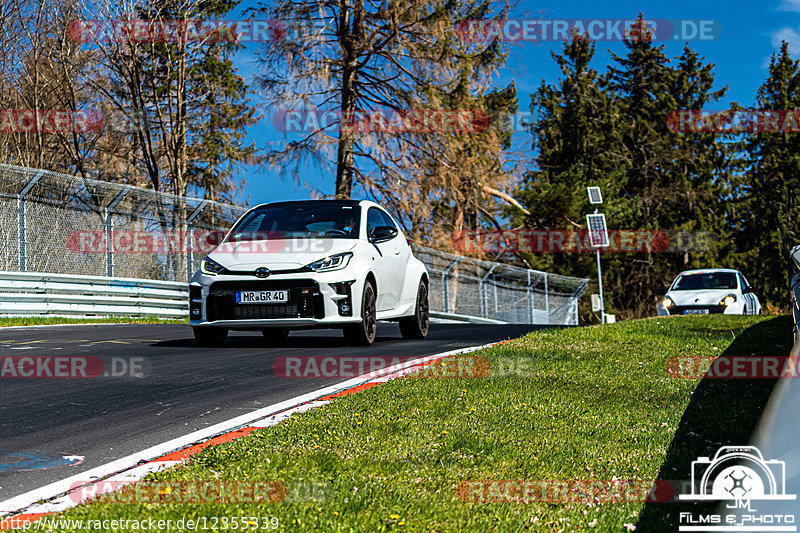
column 791, row 36
column 789, row 5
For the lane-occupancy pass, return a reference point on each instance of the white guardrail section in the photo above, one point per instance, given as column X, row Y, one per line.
column 37, row 294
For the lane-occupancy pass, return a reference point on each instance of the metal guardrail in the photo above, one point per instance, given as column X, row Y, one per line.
column 38, row 294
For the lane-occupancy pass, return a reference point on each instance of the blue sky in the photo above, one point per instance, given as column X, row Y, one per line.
column 750, row 33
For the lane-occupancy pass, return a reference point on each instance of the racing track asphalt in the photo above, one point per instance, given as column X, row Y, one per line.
column 182, row 388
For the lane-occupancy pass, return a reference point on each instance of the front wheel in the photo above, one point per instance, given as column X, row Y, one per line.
column 210, row 336
column 363, row 334
column 416, row 326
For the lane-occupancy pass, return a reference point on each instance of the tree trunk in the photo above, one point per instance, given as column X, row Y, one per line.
column 350, row 21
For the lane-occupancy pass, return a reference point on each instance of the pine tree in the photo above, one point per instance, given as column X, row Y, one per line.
column 576, row 138
column 612, row 131
column 672, row 179
column 771, row 213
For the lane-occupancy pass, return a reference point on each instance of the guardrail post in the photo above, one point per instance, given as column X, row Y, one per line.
column 189, row 242
column 445, row 282
column 22, row 243
column 108, row 217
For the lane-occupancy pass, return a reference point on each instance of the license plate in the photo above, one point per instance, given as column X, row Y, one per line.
column 695, row 311
column 262, row 297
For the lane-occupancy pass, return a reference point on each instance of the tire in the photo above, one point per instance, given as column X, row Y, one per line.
column 210, row 336
column 416, row 326
column 274, row 336
column 363, row 334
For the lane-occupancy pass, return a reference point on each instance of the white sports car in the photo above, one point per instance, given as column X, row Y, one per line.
column 310, row 264
column 716, row 290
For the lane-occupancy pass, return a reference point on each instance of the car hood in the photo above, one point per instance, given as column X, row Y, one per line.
column 703, row 297
column 277, row 253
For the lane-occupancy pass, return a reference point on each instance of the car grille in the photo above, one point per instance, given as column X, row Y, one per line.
column 305, row 300
column 265, row 311
column 712, row 309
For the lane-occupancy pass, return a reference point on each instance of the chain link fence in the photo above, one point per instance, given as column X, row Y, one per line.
column 61, row 224
column 498, row 291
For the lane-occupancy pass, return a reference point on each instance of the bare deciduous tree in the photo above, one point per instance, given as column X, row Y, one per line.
column 360, row 57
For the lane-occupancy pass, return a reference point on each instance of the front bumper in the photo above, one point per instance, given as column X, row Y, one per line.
column 693, row 309
column 313, row 302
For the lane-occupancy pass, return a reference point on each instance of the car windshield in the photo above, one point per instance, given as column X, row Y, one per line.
column 707, row 280
column 301, row 220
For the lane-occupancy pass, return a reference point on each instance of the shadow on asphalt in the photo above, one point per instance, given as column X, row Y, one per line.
column 257, row 341
column 722, row 412
column 443, row 334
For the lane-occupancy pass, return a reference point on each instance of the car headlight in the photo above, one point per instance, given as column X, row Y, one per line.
column 667, row 302
column 210, row 267
column 333, row 262
column 728, row 300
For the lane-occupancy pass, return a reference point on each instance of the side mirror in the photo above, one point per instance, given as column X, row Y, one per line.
column 382, row 233
column 795, row 253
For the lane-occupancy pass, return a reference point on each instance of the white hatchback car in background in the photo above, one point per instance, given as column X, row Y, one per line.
column 709, row 291
column 310, row 264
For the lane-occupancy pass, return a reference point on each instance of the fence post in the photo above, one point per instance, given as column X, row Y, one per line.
column 546, row 299
column 494, row 286
column 530, row 299
column 108, row 215
column 445, row 288
column 189, row 242
column 22, row 244
column 21, row 263
column 482, row 291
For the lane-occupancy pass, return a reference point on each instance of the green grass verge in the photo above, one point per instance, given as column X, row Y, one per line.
column 49, row 320
column 579, row 403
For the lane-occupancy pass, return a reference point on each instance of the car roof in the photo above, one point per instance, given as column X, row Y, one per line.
column 709, row 271
column 292, row 203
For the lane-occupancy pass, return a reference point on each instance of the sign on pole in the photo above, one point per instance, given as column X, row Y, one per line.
column 598, row 233
column 594, row 195
column 596, row 305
